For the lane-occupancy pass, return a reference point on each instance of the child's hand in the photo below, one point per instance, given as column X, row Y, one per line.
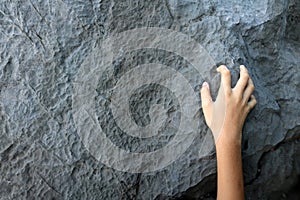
column 226, row 115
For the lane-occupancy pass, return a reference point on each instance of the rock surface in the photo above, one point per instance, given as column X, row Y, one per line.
column 42, row 47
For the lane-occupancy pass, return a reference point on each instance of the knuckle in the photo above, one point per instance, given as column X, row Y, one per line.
column 252, row 88
column 226, row 71
column 247, row 110
column 243, row 102
column 254, row 102
column 227, row 93
column 245, row 76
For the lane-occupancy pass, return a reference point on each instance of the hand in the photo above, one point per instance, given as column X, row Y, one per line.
column 228, row 112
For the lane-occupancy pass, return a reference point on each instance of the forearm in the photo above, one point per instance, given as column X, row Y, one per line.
column 229, row 166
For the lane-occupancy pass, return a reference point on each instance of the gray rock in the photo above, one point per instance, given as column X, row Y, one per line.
column 43, row 46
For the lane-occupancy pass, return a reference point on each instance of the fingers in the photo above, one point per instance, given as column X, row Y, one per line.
column 248, row 91
column 225, row 78
column 243, row 80
column 207, row 103
column 252, row 102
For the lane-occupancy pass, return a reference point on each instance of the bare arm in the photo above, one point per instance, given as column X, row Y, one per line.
column 225, row 117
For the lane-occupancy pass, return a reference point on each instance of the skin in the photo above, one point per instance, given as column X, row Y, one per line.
column 233, row 105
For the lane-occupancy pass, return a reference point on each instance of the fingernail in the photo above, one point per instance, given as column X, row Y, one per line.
column 205, row 84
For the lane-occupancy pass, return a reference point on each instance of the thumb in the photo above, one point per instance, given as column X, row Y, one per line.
column 207, row 103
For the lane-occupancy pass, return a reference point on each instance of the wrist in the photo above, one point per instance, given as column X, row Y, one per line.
column 228, row 144
column 226, row 149
column 229, row 138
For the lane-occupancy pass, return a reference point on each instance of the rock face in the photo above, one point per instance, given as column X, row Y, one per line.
column 43, row 48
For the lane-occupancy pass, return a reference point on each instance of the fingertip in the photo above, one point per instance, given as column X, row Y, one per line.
column 205, row 94
column 204, row 89
column 221, row 68
column 243, row 68
column 254, row 99
column 252, row 103
column 205, row 84
column 225, row 73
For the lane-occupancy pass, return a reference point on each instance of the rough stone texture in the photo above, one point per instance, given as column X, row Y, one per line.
column 42, row 45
